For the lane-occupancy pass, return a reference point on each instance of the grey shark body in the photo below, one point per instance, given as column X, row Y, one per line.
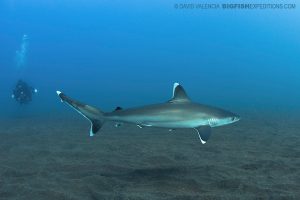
column 179, row 112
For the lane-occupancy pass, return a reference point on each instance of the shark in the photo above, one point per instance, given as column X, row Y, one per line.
column 180, row 112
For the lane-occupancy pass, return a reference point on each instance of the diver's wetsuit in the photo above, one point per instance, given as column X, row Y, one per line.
column 23, row 92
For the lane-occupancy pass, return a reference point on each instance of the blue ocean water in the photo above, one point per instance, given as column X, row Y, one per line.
column 129, row 53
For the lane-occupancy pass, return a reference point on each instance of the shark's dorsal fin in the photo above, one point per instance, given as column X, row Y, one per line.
column 179, row 95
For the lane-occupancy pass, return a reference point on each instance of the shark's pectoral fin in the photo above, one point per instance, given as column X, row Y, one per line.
column 204, row 133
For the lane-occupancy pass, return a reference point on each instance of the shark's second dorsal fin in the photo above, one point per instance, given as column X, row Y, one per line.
column 179, row 95
column 118, row 108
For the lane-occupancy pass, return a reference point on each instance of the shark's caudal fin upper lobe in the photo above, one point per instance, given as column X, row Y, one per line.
column 94, row 115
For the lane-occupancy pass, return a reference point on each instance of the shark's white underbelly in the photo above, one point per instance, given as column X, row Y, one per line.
column 176, row 124
column 173, row 123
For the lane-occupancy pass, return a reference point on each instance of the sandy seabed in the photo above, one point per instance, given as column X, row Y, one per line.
column 54, row 158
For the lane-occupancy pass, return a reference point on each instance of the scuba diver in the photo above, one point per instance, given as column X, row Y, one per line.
column 23, row 92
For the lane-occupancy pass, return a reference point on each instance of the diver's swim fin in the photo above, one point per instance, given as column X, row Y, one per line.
column 94, row 115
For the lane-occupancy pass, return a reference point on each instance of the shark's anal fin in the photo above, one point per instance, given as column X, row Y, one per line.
column 204, row 133
column 140, row 126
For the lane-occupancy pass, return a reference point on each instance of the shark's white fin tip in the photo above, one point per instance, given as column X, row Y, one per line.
column 58, row 93
column 176, row 84
column 35, row 90
column 91, row 130
column 174, row 87
column 202, row 141
column 139, row 126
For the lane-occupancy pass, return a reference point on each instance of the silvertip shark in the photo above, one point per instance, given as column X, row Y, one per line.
column 177, row 113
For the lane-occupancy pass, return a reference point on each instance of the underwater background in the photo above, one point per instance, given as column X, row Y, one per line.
column 129, row 53
column 106, row 51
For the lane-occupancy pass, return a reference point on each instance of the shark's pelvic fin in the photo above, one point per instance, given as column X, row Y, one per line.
column 118, row 124
column 179, row 95
column 204, row 133
column 94, row 115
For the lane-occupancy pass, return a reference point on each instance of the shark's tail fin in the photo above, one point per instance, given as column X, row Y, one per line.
column 94, row 115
